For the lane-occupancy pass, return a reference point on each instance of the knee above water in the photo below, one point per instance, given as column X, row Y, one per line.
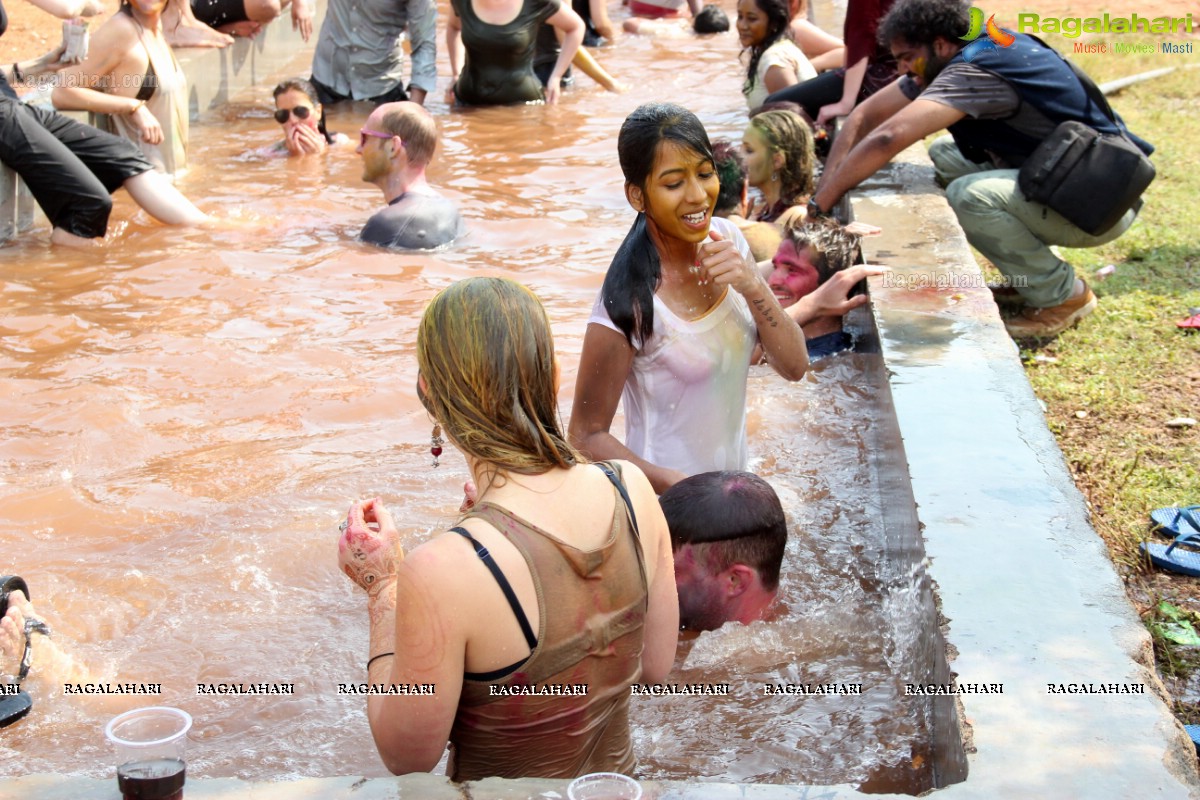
column 263, row 10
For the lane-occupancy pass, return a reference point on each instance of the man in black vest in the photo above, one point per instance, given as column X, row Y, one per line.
column 998, row 105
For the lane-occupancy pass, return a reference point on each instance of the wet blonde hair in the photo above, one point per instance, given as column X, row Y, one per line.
column 486, row 353
column 786, row 132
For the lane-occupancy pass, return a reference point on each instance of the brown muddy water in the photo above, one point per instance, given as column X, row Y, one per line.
column 187, row 415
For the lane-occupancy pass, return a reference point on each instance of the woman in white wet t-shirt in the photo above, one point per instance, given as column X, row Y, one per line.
column 682, row 307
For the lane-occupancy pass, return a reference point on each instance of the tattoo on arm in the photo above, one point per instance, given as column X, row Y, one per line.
column 765, row 310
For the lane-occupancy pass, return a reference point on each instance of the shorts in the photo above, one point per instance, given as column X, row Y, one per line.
column 71, row 169
column 215, row 13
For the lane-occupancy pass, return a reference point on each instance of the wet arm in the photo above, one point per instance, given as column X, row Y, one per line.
column 33, row 67
column 598, row 11
column 429, row 643
column 454, row 45
column 779, row 77
column 570, row 29
column 911, row 124
column 662, row 616
column 815, row 42
column 422, row 34
column 69, row 9
column 869, row 115
column 781, row 337
column 604, row 366
column 79, row 85
column 590, row 67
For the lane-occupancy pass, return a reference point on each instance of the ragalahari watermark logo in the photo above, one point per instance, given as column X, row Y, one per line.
column 996, row 36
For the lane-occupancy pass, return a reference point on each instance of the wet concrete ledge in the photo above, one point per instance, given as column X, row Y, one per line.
column 1029, row 592
column 214, row 77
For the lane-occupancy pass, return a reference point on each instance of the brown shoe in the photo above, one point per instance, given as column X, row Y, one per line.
column 1043, row 323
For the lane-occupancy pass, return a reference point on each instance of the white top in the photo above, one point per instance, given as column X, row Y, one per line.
column 685, row 398
column 784, row 53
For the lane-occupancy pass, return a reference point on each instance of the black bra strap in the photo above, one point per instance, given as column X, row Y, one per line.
column 612, row 476
column 505, row 586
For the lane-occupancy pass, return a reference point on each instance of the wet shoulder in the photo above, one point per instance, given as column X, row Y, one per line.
column 414, row 222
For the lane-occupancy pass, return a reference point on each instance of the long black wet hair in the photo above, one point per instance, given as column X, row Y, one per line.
column 636, row 271
column 778, row 27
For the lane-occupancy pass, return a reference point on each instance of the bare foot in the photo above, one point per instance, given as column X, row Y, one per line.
column 182, row 29
column 66, row 239
column 12, row 632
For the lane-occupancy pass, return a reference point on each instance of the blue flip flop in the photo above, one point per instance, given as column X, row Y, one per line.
column 1194, row 732
column 1176, row 520
column 1185, row 562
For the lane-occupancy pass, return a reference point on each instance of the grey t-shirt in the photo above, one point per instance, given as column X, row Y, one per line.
column 414, row 221
column 981, row 95
column 359, row 51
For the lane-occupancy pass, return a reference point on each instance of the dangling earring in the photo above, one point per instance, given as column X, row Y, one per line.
column 435, row 443
column 774, row 177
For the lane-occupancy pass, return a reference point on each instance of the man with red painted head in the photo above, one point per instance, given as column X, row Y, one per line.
column 809, row 255
column 728, row 534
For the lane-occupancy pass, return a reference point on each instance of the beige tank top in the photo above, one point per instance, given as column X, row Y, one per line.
column 563, row 712
column 169, row 105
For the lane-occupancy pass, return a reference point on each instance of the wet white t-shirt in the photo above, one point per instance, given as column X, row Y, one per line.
column 685, row 398
column 784, row 53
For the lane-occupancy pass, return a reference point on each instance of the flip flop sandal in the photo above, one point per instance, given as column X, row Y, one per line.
column 1183, row 562
column 16, row 706
column 1193, row 731
column 8, row 583
column 1176, row 520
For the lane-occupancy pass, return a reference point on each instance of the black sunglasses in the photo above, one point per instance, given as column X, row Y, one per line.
column 301, row 112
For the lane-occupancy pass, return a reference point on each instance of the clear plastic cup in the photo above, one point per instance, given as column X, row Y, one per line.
column 604, row 786
column 151, row 744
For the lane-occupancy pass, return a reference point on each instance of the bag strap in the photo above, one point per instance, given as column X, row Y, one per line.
column 1094, row 95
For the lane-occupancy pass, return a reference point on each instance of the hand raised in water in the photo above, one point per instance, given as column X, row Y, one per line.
column 369, row 550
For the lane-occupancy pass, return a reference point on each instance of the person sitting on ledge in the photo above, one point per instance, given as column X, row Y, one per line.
column 396, row 145
column 132, row 79
column 728, row 533
column 72, row 169
column 248, row 17
column 999, row 107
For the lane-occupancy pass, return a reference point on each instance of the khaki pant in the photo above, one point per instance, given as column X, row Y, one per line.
column 1014, row 233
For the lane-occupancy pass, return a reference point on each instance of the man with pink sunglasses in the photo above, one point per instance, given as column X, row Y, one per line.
column 396, row 144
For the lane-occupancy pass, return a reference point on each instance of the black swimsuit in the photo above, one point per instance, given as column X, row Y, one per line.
column 149, row 84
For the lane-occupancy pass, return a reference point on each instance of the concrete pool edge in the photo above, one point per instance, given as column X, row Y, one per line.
column 1031, row 597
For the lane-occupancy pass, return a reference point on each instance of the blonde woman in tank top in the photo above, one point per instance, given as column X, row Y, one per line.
column 531, row 618
column 131, row 75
